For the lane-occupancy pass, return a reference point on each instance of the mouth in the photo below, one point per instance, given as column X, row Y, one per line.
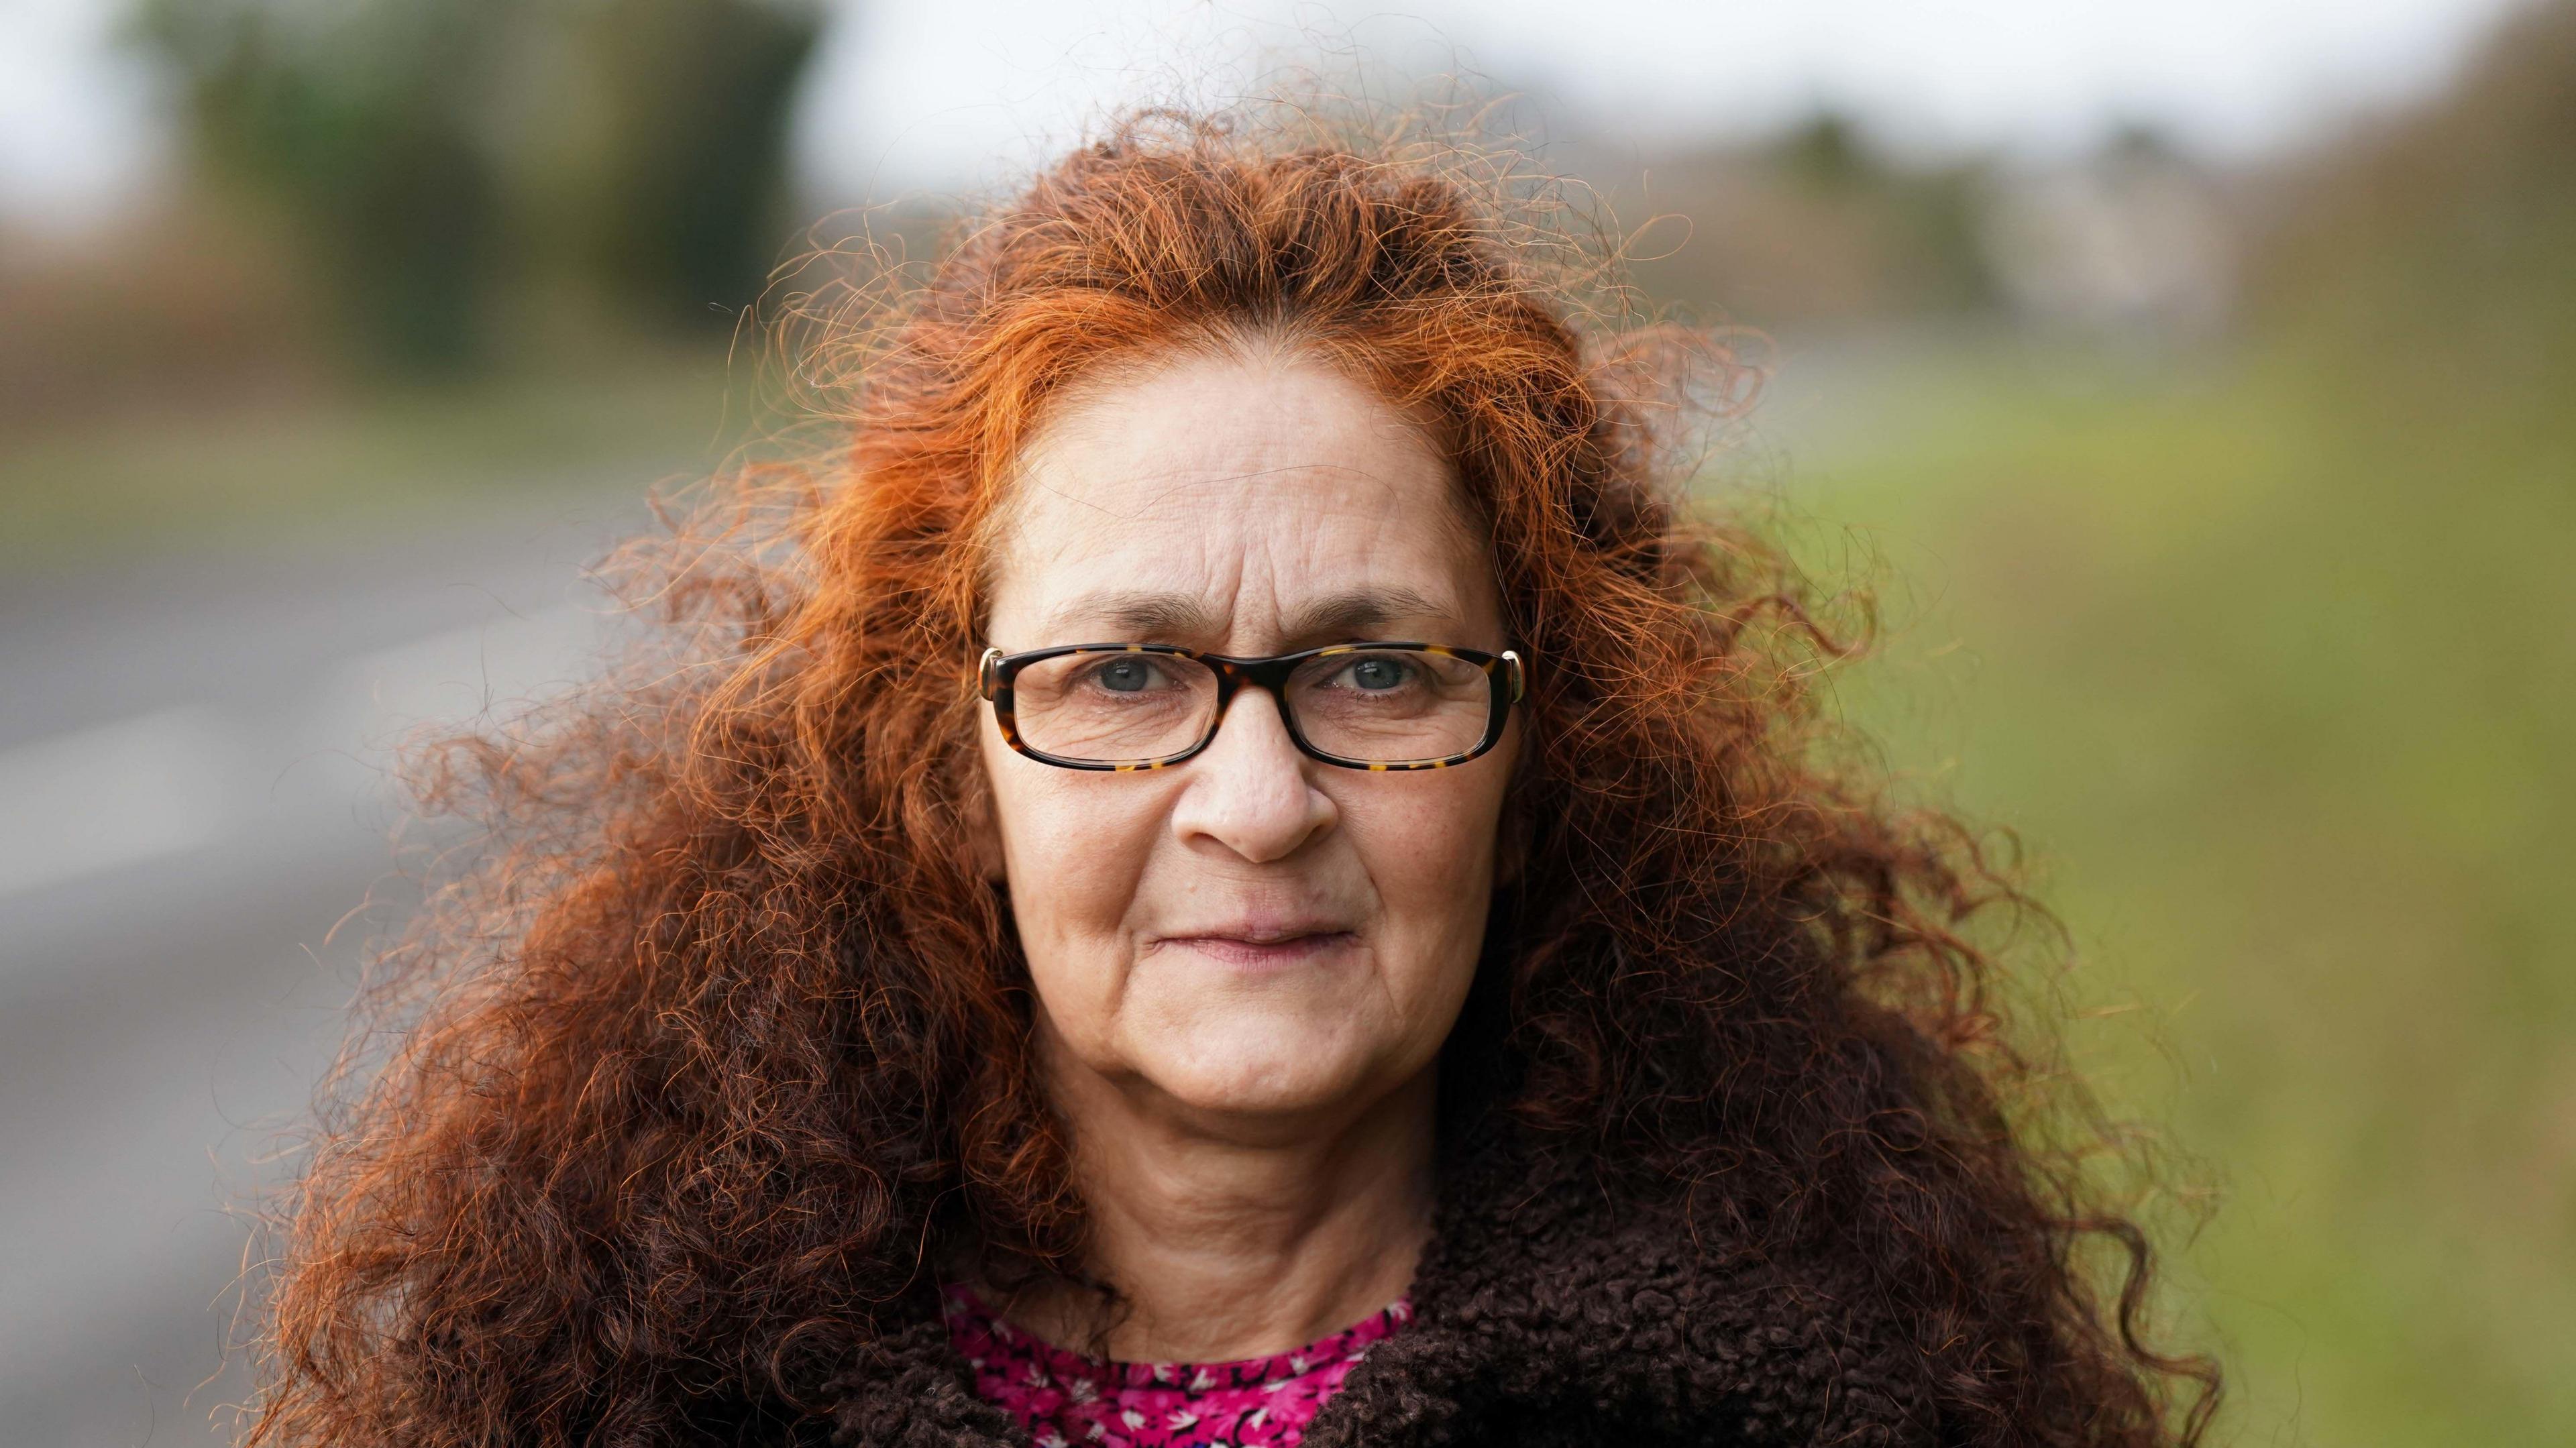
column 1264, row 947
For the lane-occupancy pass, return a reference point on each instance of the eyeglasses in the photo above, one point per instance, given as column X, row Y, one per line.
column 1375, row 706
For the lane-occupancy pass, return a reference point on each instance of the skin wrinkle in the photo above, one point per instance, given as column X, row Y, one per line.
column 1255, row 1149
column 1144, row 617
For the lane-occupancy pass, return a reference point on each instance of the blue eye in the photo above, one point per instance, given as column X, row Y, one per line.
column 1125, row 676
column 1379, row 673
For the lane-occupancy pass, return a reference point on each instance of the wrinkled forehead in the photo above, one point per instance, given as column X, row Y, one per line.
column 1248, row 496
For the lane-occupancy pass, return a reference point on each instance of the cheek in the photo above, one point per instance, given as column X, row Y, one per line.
column 1072, row 847
column 1430, row 851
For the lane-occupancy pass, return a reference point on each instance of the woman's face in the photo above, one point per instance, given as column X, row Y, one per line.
column 1250, row 934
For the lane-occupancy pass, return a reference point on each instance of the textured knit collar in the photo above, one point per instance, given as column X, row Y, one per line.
column 1547, row 1309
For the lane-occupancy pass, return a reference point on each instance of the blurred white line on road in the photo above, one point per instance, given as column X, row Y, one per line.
column 156, row 785
column 110, row 795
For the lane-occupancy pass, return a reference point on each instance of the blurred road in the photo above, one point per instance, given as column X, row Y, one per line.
column 191, row 795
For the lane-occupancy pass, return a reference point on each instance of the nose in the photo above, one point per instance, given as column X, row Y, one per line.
column 1249, row 790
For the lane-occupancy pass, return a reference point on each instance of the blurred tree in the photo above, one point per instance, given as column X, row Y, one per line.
column 1817, row 223
column 357, row 122
column 2445, row 236
column 397, row 137
column 1827, row 152
column 1923, row 218
column 693, row 173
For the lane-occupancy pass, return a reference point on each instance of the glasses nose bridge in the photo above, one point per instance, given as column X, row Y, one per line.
column 1270, row 675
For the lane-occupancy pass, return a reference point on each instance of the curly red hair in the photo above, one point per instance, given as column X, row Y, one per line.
column 722, row 1030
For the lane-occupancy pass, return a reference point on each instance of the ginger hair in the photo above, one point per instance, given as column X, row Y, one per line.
column 718, row 1030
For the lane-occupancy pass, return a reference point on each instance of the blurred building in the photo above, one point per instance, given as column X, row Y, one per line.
column 2133, row 240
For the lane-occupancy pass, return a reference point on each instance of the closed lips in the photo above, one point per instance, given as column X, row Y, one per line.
column 1246, row 947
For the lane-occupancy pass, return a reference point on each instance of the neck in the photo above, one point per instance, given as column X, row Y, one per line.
column 1234, row 1240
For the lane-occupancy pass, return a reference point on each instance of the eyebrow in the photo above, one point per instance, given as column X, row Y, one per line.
column 1147, row 617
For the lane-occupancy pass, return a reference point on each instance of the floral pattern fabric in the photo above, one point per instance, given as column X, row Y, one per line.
column 1067, row 1400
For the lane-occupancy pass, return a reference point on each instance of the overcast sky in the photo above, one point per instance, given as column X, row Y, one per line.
column 926, row 93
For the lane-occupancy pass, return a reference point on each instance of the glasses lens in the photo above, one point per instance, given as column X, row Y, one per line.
column 1113, row 708
column 1390, row 706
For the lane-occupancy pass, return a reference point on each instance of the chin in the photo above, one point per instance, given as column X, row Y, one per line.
column 1269, row 1076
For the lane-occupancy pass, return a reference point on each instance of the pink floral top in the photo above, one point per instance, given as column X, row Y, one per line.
column 1067, row 1400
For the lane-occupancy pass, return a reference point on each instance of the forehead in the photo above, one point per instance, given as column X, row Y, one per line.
column 1260, row 489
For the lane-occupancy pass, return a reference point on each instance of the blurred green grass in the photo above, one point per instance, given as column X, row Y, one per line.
column 2275, row 684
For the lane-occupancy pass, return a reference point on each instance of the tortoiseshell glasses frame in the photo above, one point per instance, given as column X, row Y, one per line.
column 1506, row 682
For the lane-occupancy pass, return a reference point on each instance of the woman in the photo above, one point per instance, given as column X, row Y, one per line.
column 1243, row 874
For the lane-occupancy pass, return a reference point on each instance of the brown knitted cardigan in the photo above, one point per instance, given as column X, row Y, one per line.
column 1548, row 1310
